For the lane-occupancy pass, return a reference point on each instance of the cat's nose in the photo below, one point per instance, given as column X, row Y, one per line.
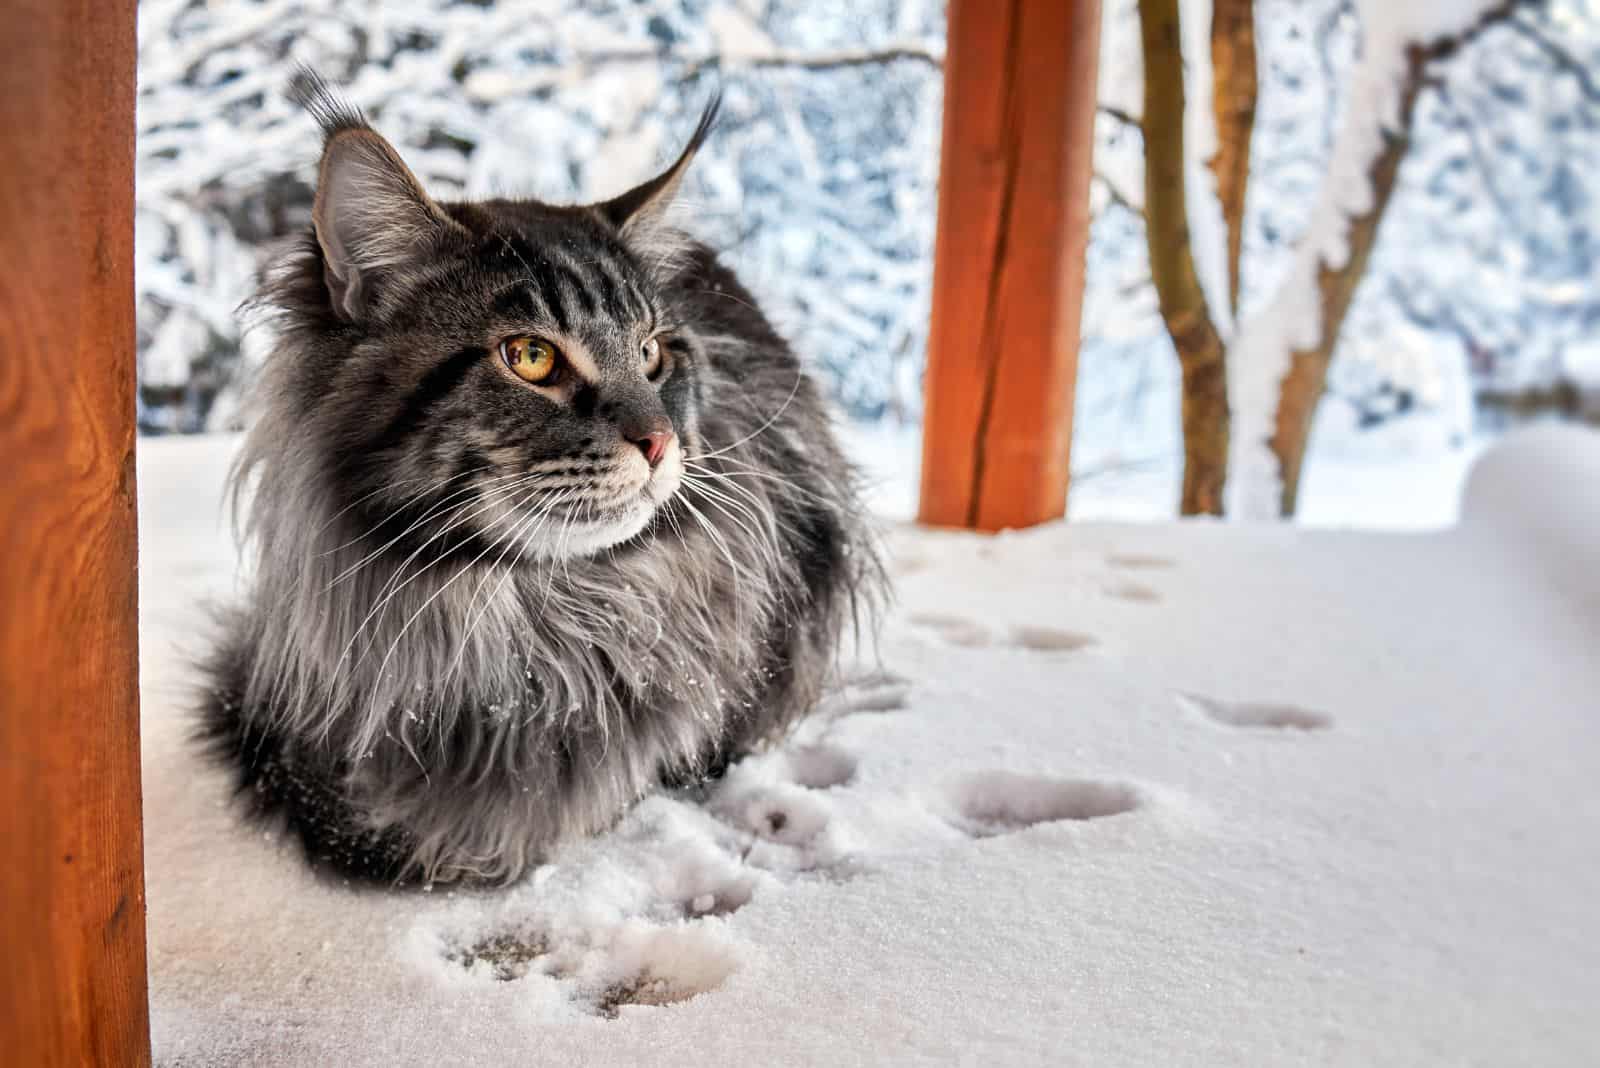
column 654, row 444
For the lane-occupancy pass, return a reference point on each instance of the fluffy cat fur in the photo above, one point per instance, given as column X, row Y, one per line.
column 485, row 616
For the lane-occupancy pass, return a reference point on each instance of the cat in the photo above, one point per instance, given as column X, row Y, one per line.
column 541, row 514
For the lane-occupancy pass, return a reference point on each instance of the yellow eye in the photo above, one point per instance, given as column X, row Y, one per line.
column 533, row 359
column 650, row 354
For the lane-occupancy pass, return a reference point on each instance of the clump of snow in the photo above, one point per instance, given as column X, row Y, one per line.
column 1537, row 491
column 1305, row 798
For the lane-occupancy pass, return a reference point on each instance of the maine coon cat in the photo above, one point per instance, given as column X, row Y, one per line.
column 542, row 514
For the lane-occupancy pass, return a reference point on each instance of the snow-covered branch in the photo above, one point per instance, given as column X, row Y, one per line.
column 1280, row 358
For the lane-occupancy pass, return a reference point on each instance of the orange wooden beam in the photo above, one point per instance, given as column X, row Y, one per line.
column 1008, row 261
column 72, row 954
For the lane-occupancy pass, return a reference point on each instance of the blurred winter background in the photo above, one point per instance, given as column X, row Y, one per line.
column 1480, row 308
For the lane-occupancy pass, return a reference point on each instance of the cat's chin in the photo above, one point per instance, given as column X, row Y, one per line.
column 596, row 535
column 620, row 524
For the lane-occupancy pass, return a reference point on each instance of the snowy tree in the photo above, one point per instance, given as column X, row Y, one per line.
column 818, row 184
column 1430, row 83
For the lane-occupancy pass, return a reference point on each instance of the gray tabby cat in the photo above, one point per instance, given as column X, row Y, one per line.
column 543, row 513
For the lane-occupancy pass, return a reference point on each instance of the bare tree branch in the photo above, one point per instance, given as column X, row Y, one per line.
column 1563, row 59
column 1464, row 123
column 826, row 60
column 1123, row 117
column 1117, row 196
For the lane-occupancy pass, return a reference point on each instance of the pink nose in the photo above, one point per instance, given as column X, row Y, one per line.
column 654, row 445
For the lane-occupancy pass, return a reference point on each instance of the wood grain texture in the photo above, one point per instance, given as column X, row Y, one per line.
column 72, row 985
column 1008, row 262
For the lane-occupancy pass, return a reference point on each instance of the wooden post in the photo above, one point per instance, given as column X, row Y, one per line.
column 72, row 960
column 1019, row 111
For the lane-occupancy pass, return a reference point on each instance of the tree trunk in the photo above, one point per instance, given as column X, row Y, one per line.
column 1303, row 384
column 1308, row 368
column 1182, row 301
column 1233, row 81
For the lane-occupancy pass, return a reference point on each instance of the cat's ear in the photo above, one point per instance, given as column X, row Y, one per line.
column 371, row 214
column 640, row 214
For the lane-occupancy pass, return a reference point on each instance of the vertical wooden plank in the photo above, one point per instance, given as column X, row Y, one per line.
column 72, row 981
column 1008, row 262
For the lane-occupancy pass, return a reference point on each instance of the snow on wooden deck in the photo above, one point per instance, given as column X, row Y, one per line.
column 1117, row 795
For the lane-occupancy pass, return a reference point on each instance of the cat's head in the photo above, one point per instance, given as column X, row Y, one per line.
column 503, row 376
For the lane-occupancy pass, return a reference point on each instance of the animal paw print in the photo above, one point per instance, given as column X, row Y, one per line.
column 953, row 629
column 820, row 766
column 504, row 956
column 988, row 804
column 779, row 815
column 782, row 813
column 693, row 890
column 632, row 963
column 1139, row 561
column 1049, row 639
column 1253, row 715
column 1133, row 591
column 1124, row 589
column 971, row 634
column 873, row 691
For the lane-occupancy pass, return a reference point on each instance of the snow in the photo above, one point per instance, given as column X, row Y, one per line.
column 1177, row 793
column 1406, row 475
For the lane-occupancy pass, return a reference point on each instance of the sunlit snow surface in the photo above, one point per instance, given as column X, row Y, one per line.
column 1185, row 793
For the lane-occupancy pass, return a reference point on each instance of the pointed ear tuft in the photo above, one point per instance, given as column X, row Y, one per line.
column 640, row 213
column 333, row 113
column 371, row 214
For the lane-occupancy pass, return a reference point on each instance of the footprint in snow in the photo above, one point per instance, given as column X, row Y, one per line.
column 1254, row 715
column 633, row 963
column 953, row 629
column 784, row 813
column 875, row 691
column 1048, row 639
column 907, row 563
column 503, row 956
column 653, row 966
column 820, row 766
column 780, row 816
column 1139, row 561
column 1133, row 591
column 721, row 899
column 973, row 635
column 988, row 804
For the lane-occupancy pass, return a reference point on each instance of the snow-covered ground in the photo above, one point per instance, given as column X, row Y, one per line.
column 1404, row 476
column 1178, row 793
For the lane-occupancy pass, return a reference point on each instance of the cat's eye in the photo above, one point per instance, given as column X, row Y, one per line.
column 650, row 357
column 532, row 359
